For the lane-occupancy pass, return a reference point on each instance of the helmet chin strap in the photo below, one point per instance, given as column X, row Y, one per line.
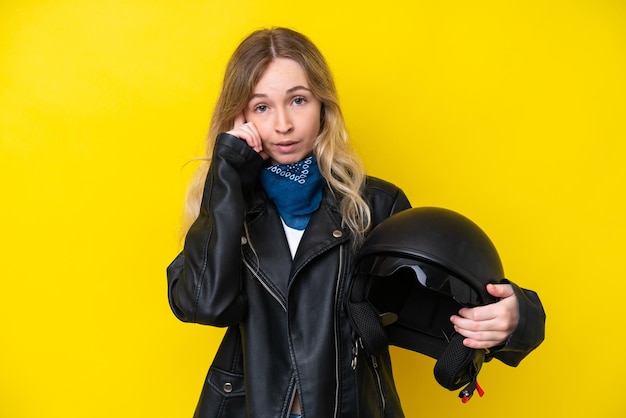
column 459, row 365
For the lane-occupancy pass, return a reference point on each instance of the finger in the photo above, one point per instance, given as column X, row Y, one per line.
column 496, row 317
column 495, row 330
column 477, row 344
column 471, row 325
column 481, row 332
column 500, row 290
column 506, row 305
column 479, row 313
column 253, row 139
column 482, row 339
column 248, row 133
column 240, row 119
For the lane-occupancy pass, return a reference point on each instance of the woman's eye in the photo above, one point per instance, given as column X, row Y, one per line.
column 299, row 100
column 260, row 108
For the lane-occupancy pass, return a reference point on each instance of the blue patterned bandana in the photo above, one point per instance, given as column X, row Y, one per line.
column 295, row 189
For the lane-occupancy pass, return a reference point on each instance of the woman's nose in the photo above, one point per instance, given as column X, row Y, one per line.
column 283, row 122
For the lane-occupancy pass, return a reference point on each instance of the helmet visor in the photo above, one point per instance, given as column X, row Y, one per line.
column 429, row 275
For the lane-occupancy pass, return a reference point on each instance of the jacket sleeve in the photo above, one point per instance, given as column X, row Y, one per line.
column 204, row 279
column 530, row 331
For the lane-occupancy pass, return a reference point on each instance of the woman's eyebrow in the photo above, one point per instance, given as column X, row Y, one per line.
column 296, row 88
column 289, row 91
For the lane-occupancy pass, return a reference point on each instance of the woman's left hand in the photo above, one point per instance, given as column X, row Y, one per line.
column 490, row 325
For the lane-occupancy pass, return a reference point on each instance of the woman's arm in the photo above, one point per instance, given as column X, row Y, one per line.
column 204, row 279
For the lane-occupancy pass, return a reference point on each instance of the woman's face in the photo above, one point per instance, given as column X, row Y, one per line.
column 285, row 112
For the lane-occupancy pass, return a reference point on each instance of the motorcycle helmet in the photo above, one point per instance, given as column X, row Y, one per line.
column 414, row 270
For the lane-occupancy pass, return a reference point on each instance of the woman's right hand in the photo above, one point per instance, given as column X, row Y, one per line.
column 246, row 131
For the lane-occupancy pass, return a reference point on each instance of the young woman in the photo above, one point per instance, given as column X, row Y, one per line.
column 276, row 216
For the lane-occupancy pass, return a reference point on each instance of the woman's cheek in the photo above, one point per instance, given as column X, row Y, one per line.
column 263, row 130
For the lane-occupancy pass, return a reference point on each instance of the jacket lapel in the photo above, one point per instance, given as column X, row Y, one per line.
column 266, row 236
column 267, row 251
column 323, row 232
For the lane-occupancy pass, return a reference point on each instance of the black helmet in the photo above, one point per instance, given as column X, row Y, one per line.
column 415, row 270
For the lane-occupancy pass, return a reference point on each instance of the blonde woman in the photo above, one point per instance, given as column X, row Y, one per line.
column 275, row 218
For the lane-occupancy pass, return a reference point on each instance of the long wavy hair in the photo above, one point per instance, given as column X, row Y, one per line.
column 338, row 163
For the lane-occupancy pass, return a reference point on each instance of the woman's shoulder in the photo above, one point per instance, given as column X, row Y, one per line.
column 378, row 185
column 384, row 197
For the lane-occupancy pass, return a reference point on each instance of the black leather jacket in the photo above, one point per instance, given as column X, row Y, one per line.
column 288, row 328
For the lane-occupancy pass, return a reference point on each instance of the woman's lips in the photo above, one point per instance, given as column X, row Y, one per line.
column 286, row 146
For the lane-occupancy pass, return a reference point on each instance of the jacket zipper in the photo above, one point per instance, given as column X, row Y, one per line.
column 380, row 386
column 270, row 291
column 337, row 368
column 355, row 363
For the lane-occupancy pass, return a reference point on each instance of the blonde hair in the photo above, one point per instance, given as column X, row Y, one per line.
column 338, row 163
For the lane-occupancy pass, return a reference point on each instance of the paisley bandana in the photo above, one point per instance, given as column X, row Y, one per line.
column 295, row 189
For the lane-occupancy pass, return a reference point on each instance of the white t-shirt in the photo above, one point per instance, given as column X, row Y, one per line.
column 293, row 238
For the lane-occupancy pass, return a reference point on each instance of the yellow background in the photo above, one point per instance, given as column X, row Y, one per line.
column 511, row 112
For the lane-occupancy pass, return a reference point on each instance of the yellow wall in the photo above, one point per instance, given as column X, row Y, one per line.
column 509, row 112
